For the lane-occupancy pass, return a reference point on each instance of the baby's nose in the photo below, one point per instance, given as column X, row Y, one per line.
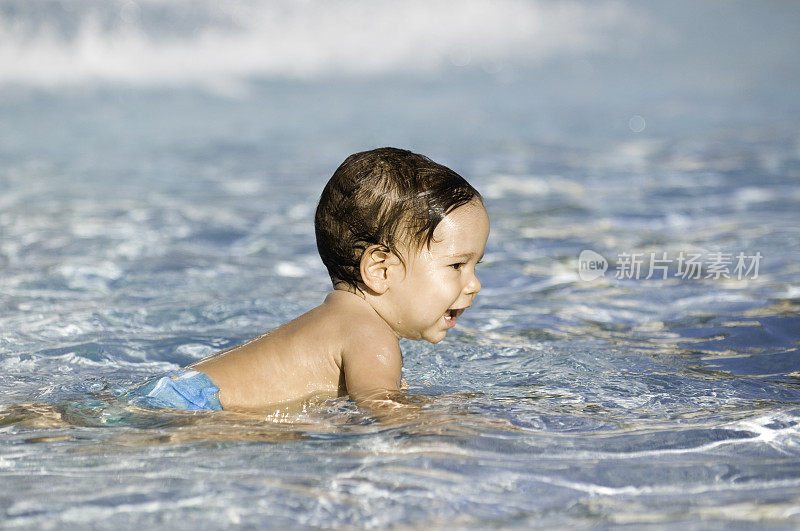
column 474, row 285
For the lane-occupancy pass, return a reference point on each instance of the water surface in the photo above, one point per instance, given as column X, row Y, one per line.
column 152, row 215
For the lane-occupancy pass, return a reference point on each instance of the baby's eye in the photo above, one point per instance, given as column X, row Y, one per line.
column 457, row 265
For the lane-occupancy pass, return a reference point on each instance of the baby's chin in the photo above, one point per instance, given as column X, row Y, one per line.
column 434, row 337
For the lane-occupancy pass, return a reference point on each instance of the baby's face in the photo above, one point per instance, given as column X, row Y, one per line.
column 441, row 283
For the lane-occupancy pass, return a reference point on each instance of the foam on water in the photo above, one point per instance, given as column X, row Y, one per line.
column 56, row 43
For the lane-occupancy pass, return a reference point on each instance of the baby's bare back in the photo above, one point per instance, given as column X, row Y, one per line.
column 298, row 360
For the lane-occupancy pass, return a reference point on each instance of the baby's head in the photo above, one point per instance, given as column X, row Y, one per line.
column 388, row 197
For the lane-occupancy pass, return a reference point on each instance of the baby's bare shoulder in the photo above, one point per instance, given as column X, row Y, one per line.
column 370, row 355
column 357, row 322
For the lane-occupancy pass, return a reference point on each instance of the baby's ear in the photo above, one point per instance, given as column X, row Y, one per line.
column 375, row 264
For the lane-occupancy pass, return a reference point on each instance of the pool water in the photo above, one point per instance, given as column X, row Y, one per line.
column 152, row 216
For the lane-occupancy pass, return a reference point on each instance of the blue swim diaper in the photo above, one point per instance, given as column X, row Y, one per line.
column 181, row 389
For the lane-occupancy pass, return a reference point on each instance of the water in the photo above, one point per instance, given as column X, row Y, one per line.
column 159, row 167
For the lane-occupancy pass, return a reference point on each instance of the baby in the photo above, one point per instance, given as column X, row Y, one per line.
column 400, row 236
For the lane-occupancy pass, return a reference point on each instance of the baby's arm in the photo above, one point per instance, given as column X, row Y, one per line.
column 372, row 365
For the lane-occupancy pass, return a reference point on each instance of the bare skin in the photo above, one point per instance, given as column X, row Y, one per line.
column 303, row 357
column 349, row 345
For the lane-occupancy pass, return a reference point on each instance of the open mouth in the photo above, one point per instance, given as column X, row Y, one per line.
column 452, row 314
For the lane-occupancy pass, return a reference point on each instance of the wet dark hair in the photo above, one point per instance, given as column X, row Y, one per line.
column 387, row 197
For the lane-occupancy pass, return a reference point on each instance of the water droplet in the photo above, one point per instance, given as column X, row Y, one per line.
column 636, row 123
column 460, row 57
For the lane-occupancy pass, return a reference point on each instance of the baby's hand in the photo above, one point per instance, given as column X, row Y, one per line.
column 392, row 406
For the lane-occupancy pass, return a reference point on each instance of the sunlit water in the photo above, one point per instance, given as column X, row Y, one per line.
column 145, row 227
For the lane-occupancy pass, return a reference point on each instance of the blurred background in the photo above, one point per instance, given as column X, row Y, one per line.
column 160, row 162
